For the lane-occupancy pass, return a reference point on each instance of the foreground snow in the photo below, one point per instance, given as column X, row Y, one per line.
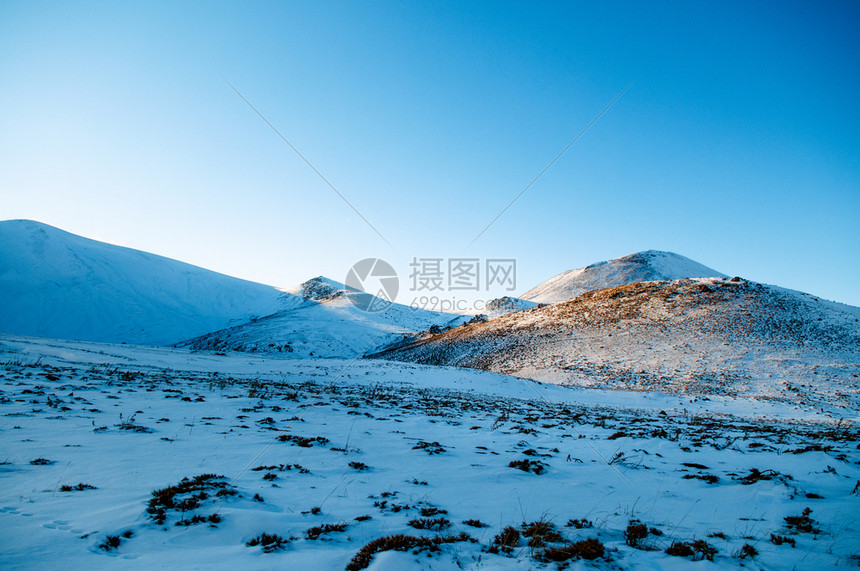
column 390, row 440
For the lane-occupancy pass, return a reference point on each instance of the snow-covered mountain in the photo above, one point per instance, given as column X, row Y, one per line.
column 698, row 336
column 326, row 324
column 57, row 284
column 651, row 265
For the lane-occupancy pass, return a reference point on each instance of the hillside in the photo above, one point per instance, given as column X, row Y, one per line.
column 326, row 324
column 651, row 265
column 709, row 336
column 57, row 284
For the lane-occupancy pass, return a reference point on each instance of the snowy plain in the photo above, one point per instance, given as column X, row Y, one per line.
column 333, row 454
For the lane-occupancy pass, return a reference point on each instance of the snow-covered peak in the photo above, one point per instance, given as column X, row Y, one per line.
column 650, row 265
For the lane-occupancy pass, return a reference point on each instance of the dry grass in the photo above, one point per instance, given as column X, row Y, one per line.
column 400, row 542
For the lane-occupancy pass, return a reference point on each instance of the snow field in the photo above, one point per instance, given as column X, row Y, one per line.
column 420, row 439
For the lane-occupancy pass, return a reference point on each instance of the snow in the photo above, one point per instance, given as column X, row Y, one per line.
column 707, row 409
column 650, row 265
column 57, row 284
column 209, row 413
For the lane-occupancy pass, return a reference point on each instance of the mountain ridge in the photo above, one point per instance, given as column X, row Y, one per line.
column 57, row 284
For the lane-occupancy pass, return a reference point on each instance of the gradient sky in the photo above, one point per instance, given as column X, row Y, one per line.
column 737, row 145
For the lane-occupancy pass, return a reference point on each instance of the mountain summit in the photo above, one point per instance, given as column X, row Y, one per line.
column 647, row 266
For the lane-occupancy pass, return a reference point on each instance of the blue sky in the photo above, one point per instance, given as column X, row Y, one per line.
column 737, row 145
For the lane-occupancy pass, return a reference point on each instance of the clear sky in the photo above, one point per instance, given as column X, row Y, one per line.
column 737, row 145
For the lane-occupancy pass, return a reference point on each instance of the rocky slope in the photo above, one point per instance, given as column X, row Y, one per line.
column 699, row 336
